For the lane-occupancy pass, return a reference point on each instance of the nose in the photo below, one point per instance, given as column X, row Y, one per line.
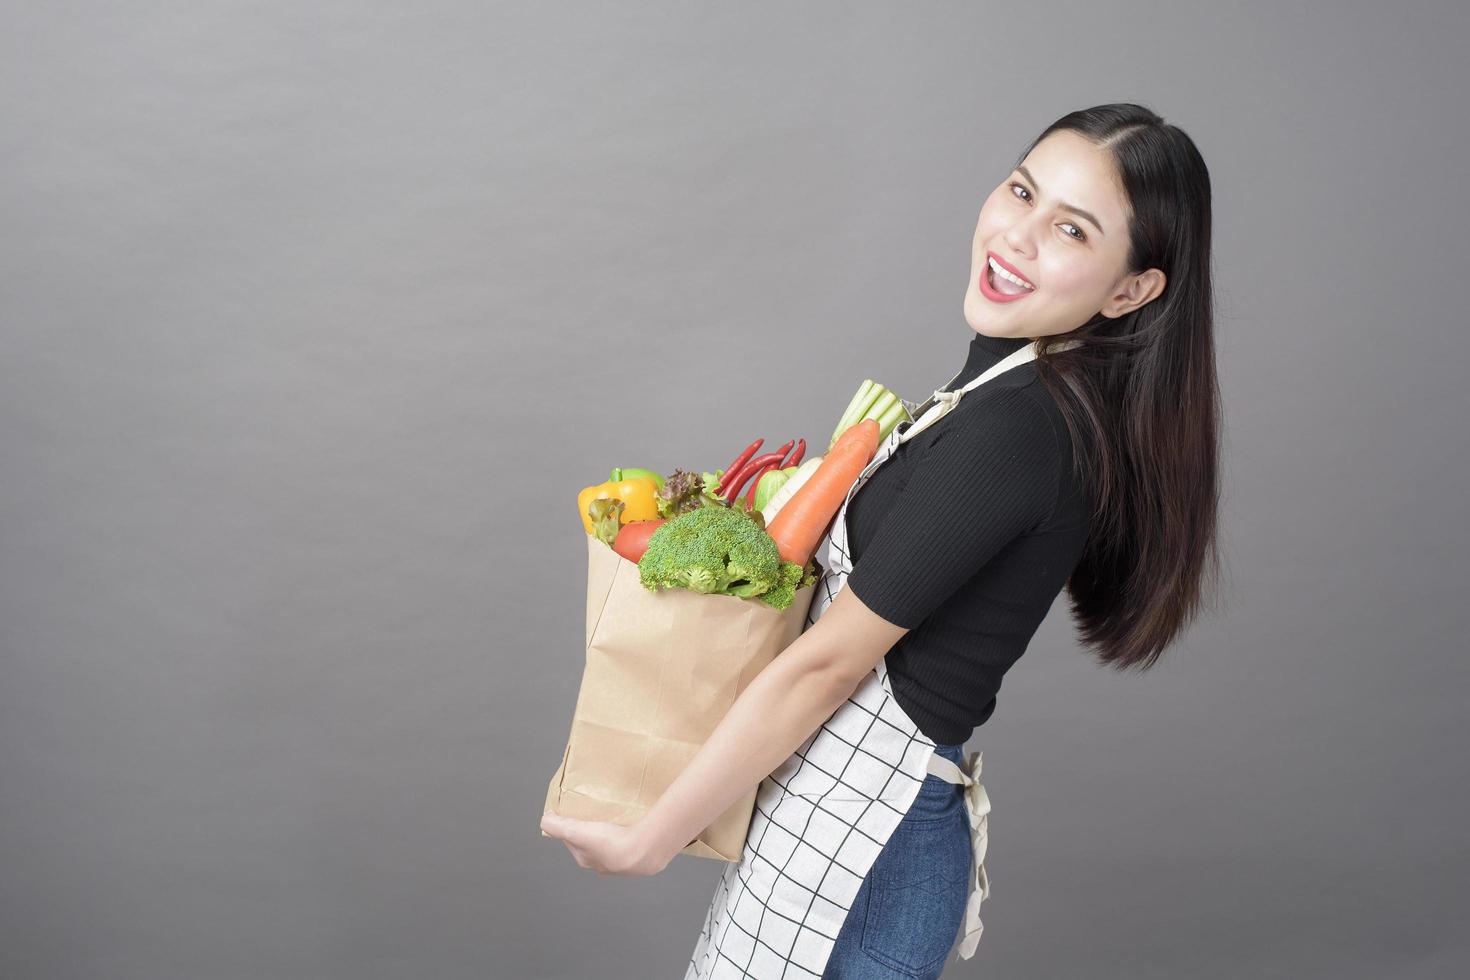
column 1019, row 238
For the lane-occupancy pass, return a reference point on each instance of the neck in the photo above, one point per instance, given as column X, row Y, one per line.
column 985, row 351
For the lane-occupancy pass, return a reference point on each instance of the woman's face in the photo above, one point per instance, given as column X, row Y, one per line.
column 1060, row 221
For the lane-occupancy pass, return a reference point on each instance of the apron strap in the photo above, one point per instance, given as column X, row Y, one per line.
column 942, row 402
column 977, row 802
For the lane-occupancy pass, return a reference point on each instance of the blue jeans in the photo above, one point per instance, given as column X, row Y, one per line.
column 907, row 914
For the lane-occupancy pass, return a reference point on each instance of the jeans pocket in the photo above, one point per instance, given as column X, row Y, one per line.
column 917, row 899
column 912, row 927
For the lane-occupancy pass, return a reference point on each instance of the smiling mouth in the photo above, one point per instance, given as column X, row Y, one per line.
column 1001, row 281
column 990, row 292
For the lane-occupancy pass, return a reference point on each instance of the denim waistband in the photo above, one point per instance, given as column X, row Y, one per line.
column 954, row 753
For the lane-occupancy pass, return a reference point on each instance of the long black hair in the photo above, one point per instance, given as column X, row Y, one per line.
column 1142, row 402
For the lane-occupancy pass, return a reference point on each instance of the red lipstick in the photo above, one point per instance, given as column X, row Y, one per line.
column 988, row 291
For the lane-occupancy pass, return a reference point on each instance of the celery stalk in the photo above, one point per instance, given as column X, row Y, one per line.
column 870, row 392
column 895, row 414
column 849, row 414
column 883, row 403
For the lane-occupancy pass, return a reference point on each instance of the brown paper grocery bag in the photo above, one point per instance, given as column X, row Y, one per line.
column 662, row 670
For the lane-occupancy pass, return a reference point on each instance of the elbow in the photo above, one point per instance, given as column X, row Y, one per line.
column 849, row 640
column 837, row 674
column 838, row 681
column 820, row 674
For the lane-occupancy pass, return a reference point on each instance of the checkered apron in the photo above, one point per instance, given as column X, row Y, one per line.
column 822, row 817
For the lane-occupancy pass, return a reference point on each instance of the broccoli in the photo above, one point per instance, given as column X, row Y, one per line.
column 710, row 550
column 781, row 594
column 792, row 581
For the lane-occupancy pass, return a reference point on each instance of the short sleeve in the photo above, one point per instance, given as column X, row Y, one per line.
column 989, row 475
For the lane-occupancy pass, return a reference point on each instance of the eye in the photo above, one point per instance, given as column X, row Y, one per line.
column 1080, row 236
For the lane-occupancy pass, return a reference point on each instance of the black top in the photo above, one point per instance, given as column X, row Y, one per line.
column 966, row 535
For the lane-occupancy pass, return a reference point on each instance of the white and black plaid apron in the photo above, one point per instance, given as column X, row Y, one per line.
column 822, row 817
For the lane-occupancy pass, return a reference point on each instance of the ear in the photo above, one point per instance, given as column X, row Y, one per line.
column 1135, row 291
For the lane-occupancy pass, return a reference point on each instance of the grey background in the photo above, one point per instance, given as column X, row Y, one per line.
column 317, row 316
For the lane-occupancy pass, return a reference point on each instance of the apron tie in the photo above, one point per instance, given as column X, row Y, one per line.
column 935, row 408
column 977, row 803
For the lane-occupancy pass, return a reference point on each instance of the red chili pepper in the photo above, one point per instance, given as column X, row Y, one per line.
column 728, row 481
column 796, row 455
column 755, row 482
column 738, row 462
column 733, row 490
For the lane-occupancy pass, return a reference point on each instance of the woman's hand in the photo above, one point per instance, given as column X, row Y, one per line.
column 608, row 848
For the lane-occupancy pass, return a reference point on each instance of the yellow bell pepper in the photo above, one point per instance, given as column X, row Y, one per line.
column 636, row 493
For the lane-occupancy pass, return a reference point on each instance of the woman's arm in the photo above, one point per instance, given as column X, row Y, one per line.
column 777, row 711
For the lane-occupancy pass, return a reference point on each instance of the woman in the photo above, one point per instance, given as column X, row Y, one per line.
column 1079, row 450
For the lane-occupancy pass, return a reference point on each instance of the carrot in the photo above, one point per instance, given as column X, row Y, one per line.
column 802, row 520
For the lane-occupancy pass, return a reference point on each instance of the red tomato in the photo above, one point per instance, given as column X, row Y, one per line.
column 632, row 539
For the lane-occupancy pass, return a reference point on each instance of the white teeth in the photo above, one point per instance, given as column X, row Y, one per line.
column 1002, row 272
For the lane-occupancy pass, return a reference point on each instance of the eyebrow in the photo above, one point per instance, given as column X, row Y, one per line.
column 1066, row 207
